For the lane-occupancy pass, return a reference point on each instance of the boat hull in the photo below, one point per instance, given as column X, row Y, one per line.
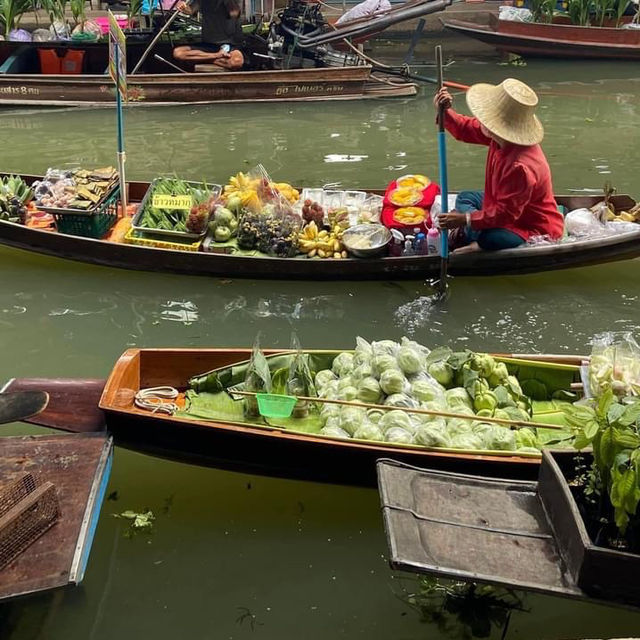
column 331, row 83
column 553, row 40
column 483, row 263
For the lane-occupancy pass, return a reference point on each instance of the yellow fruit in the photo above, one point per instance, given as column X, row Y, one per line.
column 321, row 253
column 337, row 255
column 626, row 217
column 344, row 254
column 312, row 253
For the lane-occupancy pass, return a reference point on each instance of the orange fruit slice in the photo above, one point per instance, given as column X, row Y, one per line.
column 413, row 181
column 409, row 215
column 405, row 196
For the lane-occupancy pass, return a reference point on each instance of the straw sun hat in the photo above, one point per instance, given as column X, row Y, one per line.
column 507, row 110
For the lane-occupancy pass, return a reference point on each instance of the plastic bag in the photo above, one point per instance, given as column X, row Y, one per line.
column 257, row 379
column 515, row 14
column 42, row 35
column 583, row 222
column 436, row 207
column 300, row 380
column 20, row 35
column 614, row 364
column 59, row 30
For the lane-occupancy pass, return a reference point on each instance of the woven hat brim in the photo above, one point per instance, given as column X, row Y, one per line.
column 482, row 103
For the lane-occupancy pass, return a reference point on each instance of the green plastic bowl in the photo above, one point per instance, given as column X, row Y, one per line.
column 272, row 405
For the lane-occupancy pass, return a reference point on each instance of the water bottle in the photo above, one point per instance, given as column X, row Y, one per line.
column 408, row 246
column 397, row 243
column 419, row 244
column 433, row 242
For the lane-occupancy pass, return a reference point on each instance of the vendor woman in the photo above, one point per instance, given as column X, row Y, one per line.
column 517, row 202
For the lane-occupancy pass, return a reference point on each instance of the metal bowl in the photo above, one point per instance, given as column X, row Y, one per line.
column 380, row 238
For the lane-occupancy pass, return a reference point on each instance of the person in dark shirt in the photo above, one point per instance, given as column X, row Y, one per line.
column 221, row 35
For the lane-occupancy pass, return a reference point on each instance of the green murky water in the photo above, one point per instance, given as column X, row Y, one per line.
column 237, row 556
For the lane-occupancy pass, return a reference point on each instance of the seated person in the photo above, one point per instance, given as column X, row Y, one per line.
column 517, row 202
column 221, row 35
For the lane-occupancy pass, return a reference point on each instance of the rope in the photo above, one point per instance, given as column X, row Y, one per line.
column 153, row 399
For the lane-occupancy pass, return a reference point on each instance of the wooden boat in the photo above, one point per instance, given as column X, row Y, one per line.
column 79, row 468
column 300, row 85
column 553, row 40
column 529, row 259
column 516, row 534
column 73, row 406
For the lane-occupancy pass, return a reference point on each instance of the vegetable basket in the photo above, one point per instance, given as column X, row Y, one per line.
column 92, row 224
column 179, row 236
column 99, row 207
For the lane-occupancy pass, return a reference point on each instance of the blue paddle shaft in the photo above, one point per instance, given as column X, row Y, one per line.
column 444, row 190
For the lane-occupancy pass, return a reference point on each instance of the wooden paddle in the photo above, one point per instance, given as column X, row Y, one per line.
column 427, row 412
column 444, row 186
column 18, row 405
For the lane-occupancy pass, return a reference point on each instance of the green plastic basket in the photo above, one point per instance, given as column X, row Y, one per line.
column 94, row 225
column 271, row 405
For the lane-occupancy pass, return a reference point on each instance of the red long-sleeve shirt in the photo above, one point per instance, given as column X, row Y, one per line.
column 518, row 195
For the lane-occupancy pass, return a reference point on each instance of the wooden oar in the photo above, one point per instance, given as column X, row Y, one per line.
column 152, row 44
column 18, row 405
column 444, row 187
column 426, row 412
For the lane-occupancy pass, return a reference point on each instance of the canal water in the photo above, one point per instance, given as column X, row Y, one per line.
column 235, row 556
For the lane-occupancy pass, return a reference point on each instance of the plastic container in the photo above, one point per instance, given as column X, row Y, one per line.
column 419, row 244
column 408, row 246
column 95, row 225
column 271, row 405
column 433, row 242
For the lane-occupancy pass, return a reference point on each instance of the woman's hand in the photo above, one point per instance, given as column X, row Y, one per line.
column 183, row 7
column 442, row 99
column 452, row 220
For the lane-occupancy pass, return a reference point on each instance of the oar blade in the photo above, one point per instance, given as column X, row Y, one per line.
column 18, row 405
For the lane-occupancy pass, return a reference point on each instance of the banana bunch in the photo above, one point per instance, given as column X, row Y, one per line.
column 633, row 215
column 245, row 188
column 324, row 244
column 291, row 194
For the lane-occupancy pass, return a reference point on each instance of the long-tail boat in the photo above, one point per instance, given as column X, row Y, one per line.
column 528, row 259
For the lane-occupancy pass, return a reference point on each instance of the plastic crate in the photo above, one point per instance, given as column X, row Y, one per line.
column 135, row 237
column 95, row 225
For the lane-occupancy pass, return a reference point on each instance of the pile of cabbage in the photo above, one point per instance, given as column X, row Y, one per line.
column 407, row 376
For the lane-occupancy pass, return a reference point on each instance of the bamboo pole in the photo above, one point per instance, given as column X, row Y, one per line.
column 427, row 412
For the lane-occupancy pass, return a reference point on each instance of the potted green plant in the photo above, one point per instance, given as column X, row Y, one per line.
column 591, row 499
column 10, row 13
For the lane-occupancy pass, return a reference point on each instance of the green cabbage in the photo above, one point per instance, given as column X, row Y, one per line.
column 342, row 364
column 374, row 415
column 385, row 346
column 514, row 385
column 348, row 393
column 383, row 362
column 400, row 400
column 457, row 397
column 432, row 436
column 425, row 391
column 369, row 390
column 324, row 377
column 396, row 418
column 499, row 374
column 483, row 430
column 369, row 431
column 483, row 363
column 364, row 370
column 351, row 418
column 393, row 381
column 466, row 441
column 435, row 421
column 334, row 432
column 441, row 372
column 484, row 413
column 485, row 400
column 526, row 438
column 457, row 426
column 409, row 360
column 501, row 439
column 346, row 381
column 398, row 434
column 363, row 352
column 329, row 410
column 330, row 390
column 416, row 346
